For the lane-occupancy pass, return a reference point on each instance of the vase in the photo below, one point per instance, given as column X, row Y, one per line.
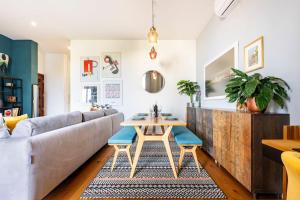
column 251, row 105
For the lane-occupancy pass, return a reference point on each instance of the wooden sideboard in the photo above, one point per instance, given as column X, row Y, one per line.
column 233, row 139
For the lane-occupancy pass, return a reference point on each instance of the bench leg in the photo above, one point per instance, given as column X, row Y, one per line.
column 181, row 157
column 115, row 157
column 184, row 149
column 128, row 154
column 195, row 158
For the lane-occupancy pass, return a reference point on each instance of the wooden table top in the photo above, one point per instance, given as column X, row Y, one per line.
column 152, row 122
column 282, row 145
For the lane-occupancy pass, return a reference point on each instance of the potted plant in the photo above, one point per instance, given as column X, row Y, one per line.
column 256, row 91
column 188, row 88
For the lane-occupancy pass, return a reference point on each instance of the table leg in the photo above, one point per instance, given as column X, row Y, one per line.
column 168, row 149
column 138, row 150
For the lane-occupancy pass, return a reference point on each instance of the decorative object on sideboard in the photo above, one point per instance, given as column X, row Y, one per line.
column 89, row 69
column 9, row 84
column 188, row 88
column 217, row 72
column 111, row 65
column 198, row 97
column 11, row 99
column 256, row 91
column 153, row 81
column 15, row 112
column 254, row 55
column 7, row 113
column 4, row 61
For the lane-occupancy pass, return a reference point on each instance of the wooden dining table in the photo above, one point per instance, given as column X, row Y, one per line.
column 142, row 126
column 273, row 148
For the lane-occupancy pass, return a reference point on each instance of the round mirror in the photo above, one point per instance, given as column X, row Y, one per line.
column 153, row 81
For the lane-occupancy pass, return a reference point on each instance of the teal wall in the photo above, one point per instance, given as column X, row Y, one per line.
column 23, row 64
column 5, row 47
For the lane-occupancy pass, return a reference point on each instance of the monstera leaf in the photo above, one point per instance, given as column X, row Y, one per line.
column 264, row 89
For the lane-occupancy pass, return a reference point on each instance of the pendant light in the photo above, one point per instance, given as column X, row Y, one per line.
column 152, row 36
column 152, row 53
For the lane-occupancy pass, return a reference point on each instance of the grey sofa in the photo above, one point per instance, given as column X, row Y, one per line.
column 43, row 151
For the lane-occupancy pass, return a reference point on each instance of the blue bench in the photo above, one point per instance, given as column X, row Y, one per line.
column 123, row 138
column 188, row 143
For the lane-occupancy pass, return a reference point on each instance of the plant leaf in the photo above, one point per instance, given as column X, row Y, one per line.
column 250, row 87
column 264, row 97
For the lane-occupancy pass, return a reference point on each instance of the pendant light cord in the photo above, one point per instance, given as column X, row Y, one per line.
column 152, row 14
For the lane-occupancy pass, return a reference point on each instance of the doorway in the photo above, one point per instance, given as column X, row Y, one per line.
column 41, row 80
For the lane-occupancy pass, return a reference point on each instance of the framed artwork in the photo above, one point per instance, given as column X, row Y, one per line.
column 254, row 55
column 111, row 65
column 8, row 113
column 90, row 94
column 89, row 69
column 218, row 71
column 112, row 92
column 15, row 112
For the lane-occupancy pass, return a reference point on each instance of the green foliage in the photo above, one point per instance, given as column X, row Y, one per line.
column 263, row 89
column 188, row 88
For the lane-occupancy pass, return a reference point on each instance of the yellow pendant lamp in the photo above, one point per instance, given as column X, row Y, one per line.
column 152, row 36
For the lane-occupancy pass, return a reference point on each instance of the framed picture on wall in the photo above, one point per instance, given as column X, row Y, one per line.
column 89, row 69
column 112, row 92
column 90, row 94
column 254, row 55
column 218, row 71
column 111, row 65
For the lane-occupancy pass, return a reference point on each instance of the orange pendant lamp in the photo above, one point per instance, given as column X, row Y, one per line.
column 152, row 37
column 152, row 53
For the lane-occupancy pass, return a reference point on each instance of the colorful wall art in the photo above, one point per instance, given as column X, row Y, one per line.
column 111, row 65
column 90, row 94
column 89, row 69
column 112, row 92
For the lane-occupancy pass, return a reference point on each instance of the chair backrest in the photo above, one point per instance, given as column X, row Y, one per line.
column 291, row 161
column 291, row 132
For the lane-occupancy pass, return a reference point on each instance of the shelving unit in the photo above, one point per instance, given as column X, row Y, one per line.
column 11, row 86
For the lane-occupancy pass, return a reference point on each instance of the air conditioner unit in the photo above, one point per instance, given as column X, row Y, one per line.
column 223, row 7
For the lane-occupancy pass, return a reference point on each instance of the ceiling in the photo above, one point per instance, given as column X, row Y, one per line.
column 59, row 21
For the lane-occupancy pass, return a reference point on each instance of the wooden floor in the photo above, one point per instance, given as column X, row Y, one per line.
column 73, row 186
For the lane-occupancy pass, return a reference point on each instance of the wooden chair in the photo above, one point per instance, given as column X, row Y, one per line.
column 289, row 133
column 291, row 161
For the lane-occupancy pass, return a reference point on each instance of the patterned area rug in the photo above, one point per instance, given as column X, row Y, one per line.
column 153, row 178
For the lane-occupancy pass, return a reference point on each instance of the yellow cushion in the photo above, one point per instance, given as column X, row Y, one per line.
column 11, row 122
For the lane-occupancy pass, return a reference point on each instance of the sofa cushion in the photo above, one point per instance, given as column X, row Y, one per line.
column 87, row 116
column 35, row 126
column 116, row 121
column 110, row 111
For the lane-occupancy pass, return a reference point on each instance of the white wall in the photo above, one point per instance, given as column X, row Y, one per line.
column 279, row 22
column 56, row 83
column 176, row 60
column 41, row 60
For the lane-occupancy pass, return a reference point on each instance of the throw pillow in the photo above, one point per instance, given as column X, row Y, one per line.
column 11, row 122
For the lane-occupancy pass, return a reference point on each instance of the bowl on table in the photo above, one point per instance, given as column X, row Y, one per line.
column 171, row 118
column 138, row 117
